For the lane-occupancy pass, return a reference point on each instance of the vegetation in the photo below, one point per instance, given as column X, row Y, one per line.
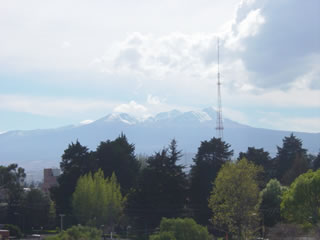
column 76, row 161
column 14, row 230
column 36, row 210
column 235, row 199
column 290, row 160
column 181, row 229
column 238, row 197
column 11, row 179
column 207, row 163
column 78, row 232
column 97, row 201
column 161, row 190
column 270, row 198
column 300, row 202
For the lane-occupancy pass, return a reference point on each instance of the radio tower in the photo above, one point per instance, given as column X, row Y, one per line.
column 219, row 127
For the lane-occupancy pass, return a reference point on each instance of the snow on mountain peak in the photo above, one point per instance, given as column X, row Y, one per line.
column 202, row 116
column 167, row 115
column 121, row 117
column 173, row 115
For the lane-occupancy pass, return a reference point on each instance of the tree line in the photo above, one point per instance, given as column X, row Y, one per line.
column 111, row 188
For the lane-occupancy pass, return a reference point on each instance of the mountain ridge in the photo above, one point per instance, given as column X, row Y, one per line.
column 40, row 148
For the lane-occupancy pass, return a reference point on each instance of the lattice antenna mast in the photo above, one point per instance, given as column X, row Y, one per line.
column 219, row 127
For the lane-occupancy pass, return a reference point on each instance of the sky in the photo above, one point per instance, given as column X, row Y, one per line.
column 71, row 62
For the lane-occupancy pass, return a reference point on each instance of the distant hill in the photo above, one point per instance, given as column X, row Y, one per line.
column 37, row 149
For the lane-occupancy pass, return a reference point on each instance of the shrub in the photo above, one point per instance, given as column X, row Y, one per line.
column 78, row 232
column 180, row 229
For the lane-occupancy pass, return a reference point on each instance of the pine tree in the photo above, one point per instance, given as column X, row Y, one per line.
column 291, row 149
column 207, row 163
column 161, row 190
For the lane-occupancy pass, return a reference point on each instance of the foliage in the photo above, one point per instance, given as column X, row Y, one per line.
column 261, row 158
column 161, row 190
column 118, row 156
column 181, row 229
column 97, row 200
column 78, row 232
column 36, row 207
column 290, row 151
column 163, row 236
column 51, row 215
column 287, row 231
column 207, row 163
column 14, row 230
column 76, row 161
column 11, row 184
column 300, row 165
column 235, row 198
column 316, row 162
column 300, row 202
column 270, row 198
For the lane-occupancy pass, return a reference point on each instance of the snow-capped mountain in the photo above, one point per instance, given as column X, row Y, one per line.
column 38, row 149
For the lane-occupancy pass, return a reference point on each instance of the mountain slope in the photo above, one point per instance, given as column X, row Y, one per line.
column 37, row 149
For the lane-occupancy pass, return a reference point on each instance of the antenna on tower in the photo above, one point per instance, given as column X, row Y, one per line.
column 219, row 127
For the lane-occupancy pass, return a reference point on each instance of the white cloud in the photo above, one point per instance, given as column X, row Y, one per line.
column 66, row 44
column 132, row 108
column 154, row 100
column 270, row 54
column 248, row 27
column 46, row 106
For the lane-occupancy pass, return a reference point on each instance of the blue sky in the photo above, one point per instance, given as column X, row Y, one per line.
column 65, row 62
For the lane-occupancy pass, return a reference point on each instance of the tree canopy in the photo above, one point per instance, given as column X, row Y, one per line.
column 261, row 158
column 36, row 207
column 98, row 201
column 118, row 156
column 300, row 202
column 76, row 161
column 161, row 191
column 11, row 186
column 270, row 198
column 210, row 157
column 181, row 229
column 291, row 152
column 78, row 232
column 234, row 200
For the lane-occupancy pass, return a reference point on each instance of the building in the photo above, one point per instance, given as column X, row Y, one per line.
column 49, row 178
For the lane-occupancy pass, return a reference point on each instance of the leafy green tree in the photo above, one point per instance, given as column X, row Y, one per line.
column 161, row 191
column 291, row 149
column 207, row 163
column 300, row 203
column 52, row 215
column 118, row 156
column 98, row 201
column 78, row 232
column 181, row 229
column 11, row 184
column 235, row 198
column 36, row 207
column 270, row 198
column 76, row 161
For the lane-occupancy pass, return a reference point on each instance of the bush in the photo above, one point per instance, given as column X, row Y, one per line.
column 181, row 229
column 78, row 232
